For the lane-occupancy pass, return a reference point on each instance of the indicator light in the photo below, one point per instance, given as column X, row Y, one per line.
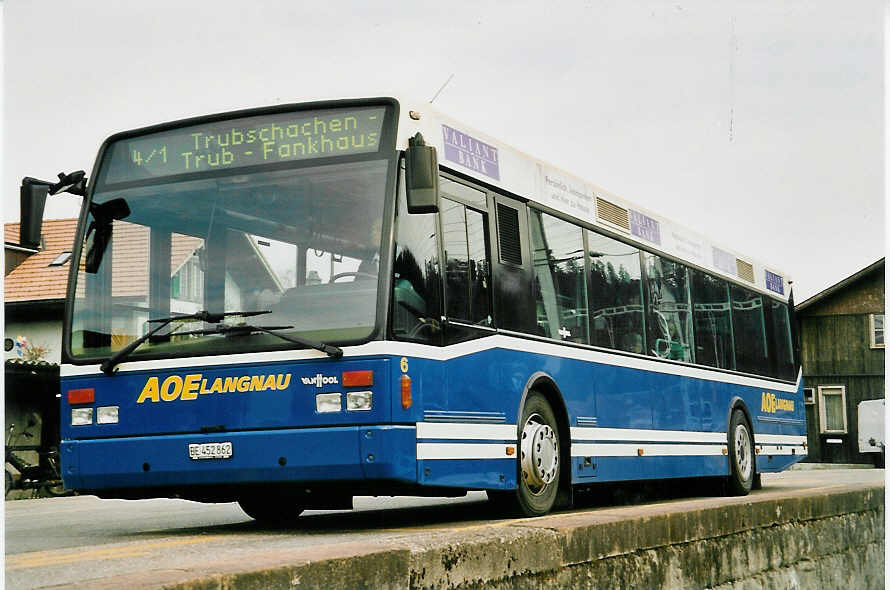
column 107, row 415
column 328, row 402
column 81, row 396
column 358, row 401
column 406, row 392
column 358, row 378
column 81, row 416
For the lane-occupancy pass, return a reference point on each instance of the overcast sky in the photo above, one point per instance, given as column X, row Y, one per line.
column 757, row 123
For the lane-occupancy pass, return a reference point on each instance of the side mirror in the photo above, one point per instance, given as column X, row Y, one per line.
column 98, row 236
column 100, row 230
column 421, row 176
column 32, row 195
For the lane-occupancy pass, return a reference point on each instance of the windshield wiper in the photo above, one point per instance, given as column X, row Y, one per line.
column 245, row 329
column 109, row 366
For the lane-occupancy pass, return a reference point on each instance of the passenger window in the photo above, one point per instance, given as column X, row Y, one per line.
column 466, row 266
column 782, row 340
column 669, row 316
column 712, row 321
column 749, row 331
column 560, row 287
column 416, row 303
column 616, row 313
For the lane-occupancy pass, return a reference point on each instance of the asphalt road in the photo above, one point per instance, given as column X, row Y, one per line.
column 65, row 540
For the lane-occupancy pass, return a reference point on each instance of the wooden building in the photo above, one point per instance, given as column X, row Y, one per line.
column 842, row 353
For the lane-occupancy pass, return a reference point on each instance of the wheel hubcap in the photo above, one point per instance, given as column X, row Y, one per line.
column 743, row 451
column 540, row 454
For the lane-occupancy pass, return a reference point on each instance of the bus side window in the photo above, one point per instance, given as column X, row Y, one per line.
column 616, row 295
column 560, row 285
column 782, row 340
column 712, row 320
column 749, row 331
column 467, row 270
column 415, row 301
column 669, row 316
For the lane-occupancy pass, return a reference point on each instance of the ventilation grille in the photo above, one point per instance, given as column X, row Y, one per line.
column 612, row 213
column 745, row 270
column 508, row 235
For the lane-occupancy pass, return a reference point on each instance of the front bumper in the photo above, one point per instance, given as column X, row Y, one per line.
column 307, row 455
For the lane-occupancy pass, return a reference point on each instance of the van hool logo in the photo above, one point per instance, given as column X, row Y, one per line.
column 319, row 380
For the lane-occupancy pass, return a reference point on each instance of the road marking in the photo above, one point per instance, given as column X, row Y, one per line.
column 50, row 558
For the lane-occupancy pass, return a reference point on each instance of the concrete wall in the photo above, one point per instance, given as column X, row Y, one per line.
column 797, row 539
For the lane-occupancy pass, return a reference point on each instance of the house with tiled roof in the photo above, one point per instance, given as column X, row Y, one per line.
column 34, row 290
column 36, row 282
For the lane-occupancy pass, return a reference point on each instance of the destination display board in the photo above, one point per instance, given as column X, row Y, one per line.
column 250, row 141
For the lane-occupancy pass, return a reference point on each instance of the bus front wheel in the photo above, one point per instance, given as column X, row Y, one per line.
column 539, row 461
column 741, row 455
column 271, row 509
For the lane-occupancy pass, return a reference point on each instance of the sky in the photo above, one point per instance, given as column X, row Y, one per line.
column 759, row 124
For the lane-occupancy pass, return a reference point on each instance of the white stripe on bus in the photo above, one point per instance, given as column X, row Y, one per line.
column 464, row 451
column 645, row 450
column 624, row 434
column 464, row 431
column 410, row 349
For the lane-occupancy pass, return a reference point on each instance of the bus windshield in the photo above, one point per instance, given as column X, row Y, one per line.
column 297, row 236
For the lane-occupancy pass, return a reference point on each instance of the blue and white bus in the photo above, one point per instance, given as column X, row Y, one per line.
column 290, row 306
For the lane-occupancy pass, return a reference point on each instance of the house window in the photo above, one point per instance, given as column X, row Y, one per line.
column 64, row 256
column 876, row 330
column 833, row 409
column 809, row 395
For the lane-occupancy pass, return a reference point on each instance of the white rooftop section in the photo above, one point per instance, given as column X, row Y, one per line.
column 472, row 152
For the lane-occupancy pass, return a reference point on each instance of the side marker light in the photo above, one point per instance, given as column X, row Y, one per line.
column 406, row 392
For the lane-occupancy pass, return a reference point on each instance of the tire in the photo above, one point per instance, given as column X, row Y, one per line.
column 539, row 466
column 56, row 491
column 741, row 455
column 271, row 510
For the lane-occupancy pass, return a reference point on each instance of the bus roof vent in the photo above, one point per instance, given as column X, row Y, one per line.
column 612, row 213
column 745, row 270
column 509, row 243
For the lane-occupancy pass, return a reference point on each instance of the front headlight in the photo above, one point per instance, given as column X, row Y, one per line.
column 107, row 415
column 81, row 416
column 358, row 401
column 328, row 402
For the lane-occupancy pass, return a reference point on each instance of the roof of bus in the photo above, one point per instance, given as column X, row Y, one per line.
column 475, row 154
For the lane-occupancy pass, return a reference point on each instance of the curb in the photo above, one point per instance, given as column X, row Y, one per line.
column 497, row 554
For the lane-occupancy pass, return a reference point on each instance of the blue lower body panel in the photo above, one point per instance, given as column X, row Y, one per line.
column 298, row 455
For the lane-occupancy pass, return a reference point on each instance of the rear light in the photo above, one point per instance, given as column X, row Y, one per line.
column 406, row 392
column 81, row 396
column 81, row 416
column 108, row 415
column 358, row 401
column 358, row 378
column 328, row 402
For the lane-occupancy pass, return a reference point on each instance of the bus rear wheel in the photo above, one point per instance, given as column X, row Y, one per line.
column 539, row 461
column 271, row 509
column 741, row 455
